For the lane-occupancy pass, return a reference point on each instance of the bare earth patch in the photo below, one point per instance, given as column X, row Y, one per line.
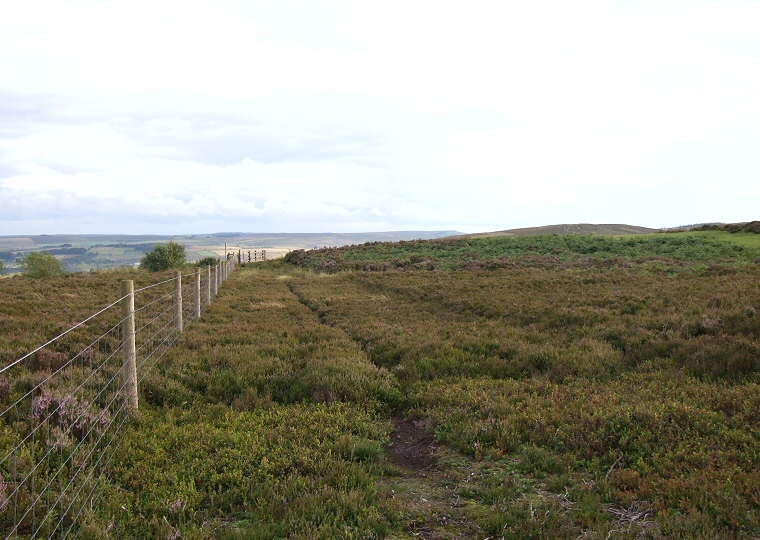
column 424, row 492
column 412, row 446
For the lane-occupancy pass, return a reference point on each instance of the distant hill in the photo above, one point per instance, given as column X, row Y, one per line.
column 578, row 228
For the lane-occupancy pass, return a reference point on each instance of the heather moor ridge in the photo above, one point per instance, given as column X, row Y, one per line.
column 506, row 387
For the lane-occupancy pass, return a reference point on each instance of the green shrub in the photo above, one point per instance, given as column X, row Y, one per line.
column 207, row 261
column 164, row 257
column 41, row 264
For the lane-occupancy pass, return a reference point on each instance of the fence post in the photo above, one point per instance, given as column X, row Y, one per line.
column 198, row 293
column 178, row 300
column 128, row 341
column 216, row 279
column 208, row 285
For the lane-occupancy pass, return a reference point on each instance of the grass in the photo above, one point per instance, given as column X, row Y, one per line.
column 583, row 387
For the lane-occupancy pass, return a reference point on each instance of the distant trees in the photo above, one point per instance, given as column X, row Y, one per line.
column 164, row 257
column 40, row 264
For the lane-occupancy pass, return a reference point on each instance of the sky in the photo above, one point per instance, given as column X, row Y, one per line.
column 191, row 116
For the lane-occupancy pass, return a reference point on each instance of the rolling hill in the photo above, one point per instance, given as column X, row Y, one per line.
column 577, row 228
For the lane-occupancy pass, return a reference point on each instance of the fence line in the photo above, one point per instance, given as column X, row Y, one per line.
column 66, row 404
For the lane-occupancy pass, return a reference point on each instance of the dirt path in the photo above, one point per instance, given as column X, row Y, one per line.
column 425, row 490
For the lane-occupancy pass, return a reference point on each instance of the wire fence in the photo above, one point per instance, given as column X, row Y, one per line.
column 64, row 414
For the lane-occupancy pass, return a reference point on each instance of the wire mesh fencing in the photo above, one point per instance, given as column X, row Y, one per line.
column 65, row 405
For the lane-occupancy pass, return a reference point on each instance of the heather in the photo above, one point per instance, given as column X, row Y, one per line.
column 514, row 394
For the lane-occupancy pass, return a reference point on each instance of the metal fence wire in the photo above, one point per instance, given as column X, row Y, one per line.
column 64, row 414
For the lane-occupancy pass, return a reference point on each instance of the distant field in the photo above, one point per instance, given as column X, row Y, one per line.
column 82, row 253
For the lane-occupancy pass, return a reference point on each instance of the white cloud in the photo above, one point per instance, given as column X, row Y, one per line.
column 375, row 114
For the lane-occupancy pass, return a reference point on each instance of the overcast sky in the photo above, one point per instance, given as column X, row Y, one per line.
column 188, row 116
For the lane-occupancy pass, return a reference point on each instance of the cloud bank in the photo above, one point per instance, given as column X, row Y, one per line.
column 187, row 117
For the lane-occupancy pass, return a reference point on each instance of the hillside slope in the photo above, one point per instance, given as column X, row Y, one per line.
column 577, row 228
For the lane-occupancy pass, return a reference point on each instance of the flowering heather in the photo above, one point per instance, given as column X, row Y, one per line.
column 3, row 493
column 71, row 415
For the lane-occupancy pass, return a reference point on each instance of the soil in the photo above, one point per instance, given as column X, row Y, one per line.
column 412, row 446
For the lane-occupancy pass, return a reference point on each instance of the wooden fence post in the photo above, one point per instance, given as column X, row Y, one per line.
column 208, row 285
column 198, row 293
column 178, row 300
column 128, row 342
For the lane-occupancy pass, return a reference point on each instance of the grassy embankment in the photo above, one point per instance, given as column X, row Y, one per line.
column 561, row 387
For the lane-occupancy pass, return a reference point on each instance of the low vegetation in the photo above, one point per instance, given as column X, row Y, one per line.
column 753, row 227
column 549, row 251
column 620, row 387
column 507, row 388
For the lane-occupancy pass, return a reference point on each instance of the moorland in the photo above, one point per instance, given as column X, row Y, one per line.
column 505, row 387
